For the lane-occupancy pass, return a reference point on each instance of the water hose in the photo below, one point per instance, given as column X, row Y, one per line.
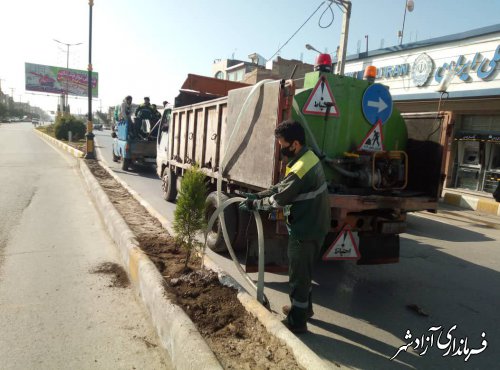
column 220, row 208
column 259, row 288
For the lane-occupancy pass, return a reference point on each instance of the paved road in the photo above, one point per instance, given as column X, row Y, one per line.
column 54, row 313
column 449, row 269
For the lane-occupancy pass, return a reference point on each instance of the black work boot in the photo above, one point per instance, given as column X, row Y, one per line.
column 296, row 329
column 286, row 310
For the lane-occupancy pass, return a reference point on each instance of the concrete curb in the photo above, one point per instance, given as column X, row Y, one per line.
column 74, row 152
column 303, row 354
column 177, row 333
column 472, row 202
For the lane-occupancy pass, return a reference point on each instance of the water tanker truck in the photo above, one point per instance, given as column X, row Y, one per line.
column 378, row 168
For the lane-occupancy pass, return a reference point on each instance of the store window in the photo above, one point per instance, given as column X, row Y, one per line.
column 477, row 165
column 492, row 173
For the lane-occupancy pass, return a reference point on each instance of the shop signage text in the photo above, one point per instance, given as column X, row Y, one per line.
column 397, row 70
column 462, row 67
column 495, row 138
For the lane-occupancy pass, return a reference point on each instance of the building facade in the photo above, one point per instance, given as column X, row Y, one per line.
column 450, row 88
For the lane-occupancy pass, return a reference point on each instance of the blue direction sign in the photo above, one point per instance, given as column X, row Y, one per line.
column 377, row 103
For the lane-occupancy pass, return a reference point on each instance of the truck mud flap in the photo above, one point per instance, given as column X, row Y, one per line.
column 378, row 249
column 276, row 259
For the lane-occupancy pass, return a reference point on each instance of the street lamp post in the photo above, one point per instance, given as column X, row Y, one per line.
column 409, row 5
column 66, row 110
column 90, row 136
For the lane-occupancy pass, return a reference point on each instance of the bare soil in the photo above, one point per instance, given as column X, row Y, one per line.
column 236, row 337
column 119, row 278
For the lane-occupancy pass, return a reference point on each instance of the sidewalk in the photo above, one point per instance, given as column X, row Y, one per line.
column 471, row 201
column 463, row 214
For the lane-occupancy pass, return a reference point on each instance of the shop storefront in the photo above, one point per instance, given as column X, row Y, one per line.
column 449, row 87
column 477, row 165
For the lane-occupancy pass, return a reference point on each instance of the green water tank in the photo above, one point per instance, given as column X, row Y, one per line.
column 346, row 128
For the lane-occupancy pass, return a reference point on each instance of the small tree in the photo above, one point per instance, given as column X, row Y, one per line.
column 189, row 216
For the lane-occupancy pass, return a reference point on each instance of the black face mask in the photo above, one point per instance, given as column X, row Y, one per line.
column 287, row 152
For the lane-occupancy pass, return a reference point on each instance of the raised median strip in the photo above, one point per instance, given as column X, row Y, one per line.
column 177, row 333
column 303, row 354
column 68, row 148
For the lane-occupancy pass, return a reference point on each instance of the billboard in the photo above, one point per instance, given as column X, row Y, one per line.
column 57, row 80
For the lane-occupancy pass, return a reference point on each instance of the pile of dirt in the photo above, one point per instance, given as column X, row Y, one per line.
column 119, row 276
column 237, row 338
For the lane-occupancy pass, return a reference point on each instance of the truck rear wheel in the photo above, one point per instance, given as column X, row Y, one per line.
column 215, row 238
column 169, row 184
column 125, row 163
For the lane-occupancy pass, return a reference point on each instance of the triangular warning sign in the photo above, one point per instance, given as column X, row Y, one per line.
column 320, row 99
column 374, row 140
column 345, row 247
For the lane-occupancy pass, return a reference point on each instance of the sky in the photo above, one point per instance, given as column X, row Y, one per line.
column 147, row 48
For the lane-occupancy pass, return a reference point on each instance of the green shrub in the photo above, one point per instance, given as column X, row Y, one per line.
column 69, row 123
column 189, row 215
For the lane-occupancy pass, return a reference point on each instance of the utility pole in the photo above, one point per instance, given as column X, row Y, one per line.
column 66, row 102
column 346, row 9
column 409, row 5
column 89, row 135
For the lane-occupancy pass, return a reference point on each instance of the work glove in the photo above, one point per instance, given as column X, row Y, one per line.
column 251, row 196
column 247, row 205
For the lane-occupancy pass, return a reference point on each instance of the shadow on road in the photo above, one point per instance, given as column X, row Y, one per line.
column 442, row 231
column 376, row 354
column 451, row 290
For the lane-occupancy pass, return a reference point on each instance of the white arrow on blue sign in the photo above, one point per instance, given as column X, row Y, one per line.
column 377, row 104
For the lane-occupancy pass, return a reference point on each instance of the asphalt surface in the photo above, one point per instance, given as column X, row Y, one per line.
column 448, row 274
column 54, row 312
